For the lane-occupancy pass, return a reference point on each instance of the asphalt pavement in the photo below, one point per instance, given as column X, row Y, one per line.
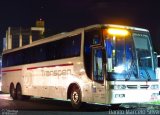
column 41, row 106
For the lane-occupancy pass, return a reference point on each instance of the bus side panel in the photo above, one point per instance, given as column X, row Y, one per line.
column 50, row 79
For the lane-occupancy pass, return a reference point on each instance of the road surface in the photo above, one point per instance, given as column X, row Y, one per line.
column 49, row 106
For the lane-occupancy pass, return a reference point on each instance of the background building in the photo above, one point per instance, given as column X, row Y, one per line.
column 20, row 36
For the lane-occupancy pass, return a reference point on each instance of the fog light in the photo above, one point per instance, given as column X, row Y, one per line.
column 155, row 94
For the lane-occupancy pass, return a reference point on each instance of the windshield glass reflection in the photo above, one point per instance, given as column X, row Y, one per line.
column 129, row 57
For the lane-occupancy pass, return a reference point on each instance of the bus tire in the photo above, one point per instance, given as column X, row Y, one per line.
column 25, row 97
column 19, row 92
column 13, row 92
column 76, row 97
column 115, row 106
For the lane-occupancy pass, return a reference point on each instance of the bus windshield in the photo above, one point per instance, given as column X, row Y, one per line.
column 144, row 56
column 129, row 57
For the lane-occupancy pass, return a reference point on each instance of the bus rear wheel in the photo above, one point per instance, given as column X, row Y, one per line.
column 13, row 92
column 76, row 97
column 19, row 92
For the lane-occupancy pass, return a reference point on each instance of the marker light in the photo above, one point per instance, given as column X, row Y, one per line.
column 115, row 31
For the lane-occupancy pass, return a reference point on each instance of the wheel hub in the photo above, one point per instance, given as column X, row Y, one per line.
column 75, row 97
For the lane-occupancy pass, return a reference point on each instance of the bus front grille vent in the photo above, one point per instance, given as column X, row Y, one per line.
column 132, row 86
column 144, row 86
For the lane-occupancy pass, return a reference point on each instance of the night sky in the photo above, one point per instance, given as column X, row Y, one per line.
column 66, row 15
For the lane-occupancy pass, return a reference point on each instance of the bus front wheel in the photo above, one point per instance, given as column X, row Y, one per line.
column 13, row 92
column 115, row 106
column 76, row 97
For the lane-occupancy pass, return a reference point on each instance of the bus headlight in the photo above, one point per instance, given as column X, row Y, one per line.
column 119, row 69
column 117, row 87
column 154, row 86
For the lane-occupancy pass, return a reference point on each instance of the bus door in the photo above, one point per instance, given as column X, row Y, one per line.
column 98, row 79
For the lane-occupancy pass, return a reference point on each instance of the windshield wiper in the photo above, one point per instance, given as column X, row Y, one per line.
column 129, row 76
column 131, row 71
column 149, row 77
column 147, row 73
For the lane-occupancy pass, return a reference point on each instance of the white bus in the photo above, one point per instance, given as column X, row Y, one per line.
column 104, row 64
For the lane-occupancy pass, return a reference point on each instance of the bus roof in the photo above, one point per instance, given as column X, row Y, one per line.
column 116, row 26
column 71, row 33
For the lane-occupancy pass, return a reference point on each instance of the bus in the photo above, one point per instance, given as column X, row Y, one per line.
column 100, row 64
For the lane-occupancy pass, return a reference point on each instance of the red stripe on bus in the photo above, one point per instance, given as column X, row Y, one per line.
column 11, row 70
column 49, row 66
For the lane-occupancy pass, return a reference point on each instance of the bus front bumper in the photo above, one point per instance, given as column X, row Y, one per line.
column 133, row 96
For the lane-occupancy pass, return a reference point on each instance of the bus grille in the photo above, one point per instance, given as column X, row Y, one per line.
column 137, row 87
column 144, row 86
column 132, row 86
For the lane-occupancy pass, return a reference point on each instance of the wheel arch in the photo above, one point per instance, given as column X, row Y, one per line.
column 70, row 89
column 10, row 86
column 18, row 83
column 11, row 83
